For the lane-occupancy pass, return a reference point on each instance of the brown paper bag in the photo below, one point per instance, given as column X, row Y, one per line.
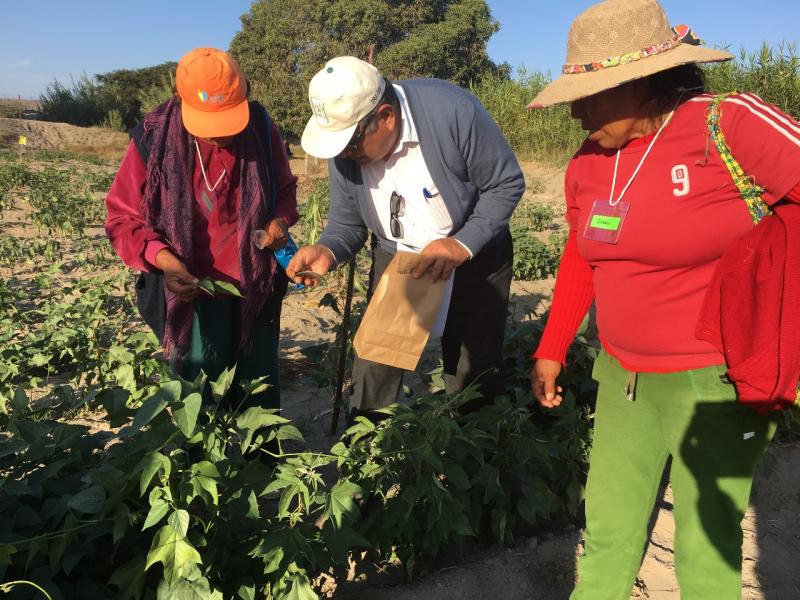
column 400, row 315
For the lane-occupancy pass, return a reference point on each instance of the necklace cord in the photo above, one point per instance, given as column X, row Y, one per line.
column 203, row 169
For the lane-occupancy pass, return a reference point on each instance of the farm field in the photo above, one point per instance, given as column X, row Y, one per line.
column 77, row 364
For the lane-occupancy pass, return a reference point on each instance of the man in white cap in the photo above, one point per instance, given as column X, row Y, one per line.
column 422, row 166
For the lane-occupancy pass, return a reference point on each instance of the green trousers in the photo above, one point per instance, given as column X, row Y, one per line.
column 215, row 346
column 716, row 445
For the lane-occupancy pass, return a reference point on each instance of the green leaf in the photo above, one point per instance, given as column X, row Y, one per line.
column 340, row 501
column 300, row 588
column 89, row 501
column 186, row 413
column 125, row 377
column 115, row 401
column 246, row 592
column 226, row 288
column 156, row 513
column 152, row 407
column 173, row 551
column 179, row 521
column 184, row 589
column 290, row 432
column 150, row 464
column 206, row 285
column 255, row 418
column 19, row 402
column 223, row 383
column 455, row 474
column 129, row 579
column 272, row 559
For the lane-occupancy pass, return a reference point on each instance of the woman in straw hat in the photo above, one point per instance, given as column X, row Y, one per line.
column 660, row 189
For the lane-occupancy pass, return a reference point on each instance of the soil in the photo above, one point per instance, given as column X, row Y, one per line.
column 535, row 568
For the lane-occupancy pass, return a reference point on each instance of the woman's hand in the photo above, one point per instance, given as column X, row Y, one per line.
column 177, row 278
column 273, row 236
column 543, row 382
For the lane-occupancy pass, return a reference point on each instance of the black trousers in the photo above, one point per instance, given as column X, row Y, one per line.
column 472, row 342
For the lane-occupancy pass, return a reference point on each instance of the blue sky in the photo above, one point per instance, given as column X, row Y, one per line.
column 47, row 39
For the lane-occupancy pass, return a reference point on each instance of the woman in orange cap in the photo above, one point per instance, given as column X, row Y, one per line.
column 659, row 191
column 204, row 172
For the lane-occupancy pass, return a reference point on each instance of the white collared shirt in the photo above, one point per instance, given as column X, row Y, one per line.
column 425, row 217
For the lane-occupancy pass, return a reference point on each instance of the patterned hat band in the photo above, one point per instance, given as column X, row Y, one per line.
column 683, row 35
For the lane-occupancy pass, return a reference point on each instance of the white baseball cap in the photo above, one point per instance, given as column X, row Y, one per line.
column 342, row 93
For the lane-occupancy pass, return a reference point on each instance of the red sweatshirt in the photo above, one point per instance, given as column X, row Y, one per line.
column 215, row 212
column 684, row 211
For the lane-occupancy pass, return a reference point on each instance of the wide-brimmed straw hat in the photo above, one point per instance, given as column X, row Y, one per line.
column 617, row 41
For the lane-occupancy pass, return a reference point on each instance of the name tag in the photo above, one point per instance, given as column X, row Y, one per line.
column 606, row 221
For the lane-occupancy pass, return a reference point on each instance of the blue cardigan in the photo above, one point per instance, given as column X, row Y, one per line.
column 470, row 162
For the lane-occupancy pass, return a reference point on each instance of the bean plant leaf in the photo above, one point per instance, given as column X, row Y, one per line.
column 206, row 285
column 157, row 512
column 223, row 383
column 186, row 413
column 247, row 592
column 89, row 501
column 19, row 402
column 152, row 407
column 340, row 501
column 115, row 401
column 300, row 588
column 179, row 521
column 150, row 464
column 129, row 578
column 184, row 589
column 226, row 288
column 173, row 551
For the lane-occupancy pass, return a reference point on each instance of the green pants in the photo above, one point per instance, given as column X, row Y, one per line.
column 215, row 346
column 716, row 444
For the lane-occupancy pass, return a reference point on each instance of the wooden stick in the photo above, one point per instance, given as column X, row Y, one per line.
column 344, row 340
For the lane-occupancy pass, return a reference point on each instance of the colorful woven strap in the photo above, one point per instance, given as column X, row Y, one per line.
column 683, row 35
column 751, row 192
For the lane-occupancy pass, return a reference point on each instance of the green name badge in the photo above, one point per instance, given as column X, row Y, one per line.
column 605, row 222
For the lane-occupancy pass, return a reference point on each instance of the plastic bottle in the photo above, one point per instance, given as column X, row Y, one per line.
column 282, row 255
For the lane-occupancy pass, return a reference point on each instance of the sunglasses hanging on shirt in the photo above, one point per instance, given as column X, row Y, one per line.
column 396, row 209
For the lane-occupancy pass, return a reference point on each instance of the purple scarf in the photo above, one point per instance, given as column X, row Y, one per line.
column 168, row 205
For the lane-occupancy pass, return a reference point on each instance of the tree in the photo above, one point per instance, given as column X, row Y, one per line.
column 284, row 42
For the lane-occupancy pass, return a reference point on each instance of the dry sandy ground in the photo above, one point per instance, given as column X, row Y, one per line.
column 536, row 568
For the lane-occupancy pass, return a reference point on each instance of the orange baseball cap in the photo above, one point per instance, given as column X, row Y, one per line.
column 213, row 93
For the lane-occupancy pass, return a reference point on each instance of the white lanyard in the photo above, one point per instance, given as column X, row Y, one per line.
column 203, row 170
column 611, row 200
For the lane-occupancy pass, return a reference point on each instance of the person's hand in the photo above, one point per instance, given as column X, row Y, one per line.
column 440, row 258
column 317, row 259
column 273, row 236
column 543, row 382
column 176, row 278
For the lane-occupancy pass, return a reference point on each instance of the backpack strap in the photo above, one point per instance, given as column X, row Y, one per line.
column 263, row 127
column 143, row 145
column 749, row 190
